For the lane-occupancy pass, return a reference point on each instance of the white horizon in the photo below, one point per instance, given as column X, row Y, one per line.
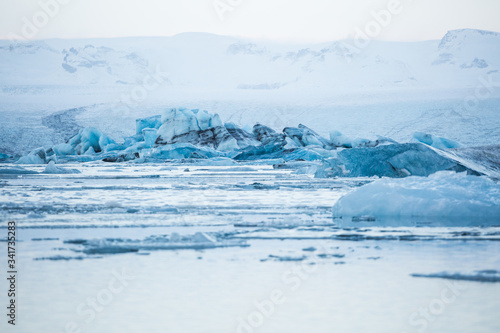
column 314, row 21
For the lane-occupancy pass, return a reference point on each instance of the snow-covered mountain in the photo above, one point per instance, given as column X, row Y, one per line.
column 199, row 59
column 387, row 88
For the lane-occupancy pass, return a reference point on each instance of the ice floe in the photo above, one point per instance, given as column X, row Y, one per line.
column 435, row 141
column 444, row 194
column 51, row 168
column 487, row 275
column 395, row 160
column 174, row 241
column 16, row 170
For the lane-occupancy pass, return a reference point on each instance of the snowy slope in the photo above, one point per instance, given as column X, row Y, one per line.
column 199, row 59
column 387, row 88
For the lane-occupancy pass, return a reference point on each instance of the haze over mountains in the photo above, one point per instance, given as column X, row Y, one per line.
column 362, row 88
column 199, row 59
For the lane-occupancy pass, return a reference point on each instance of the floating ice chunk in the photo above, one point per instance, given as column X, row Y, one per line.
column 90, row 151
column 201, row 237
column 242, row 137
column 182, row 126
column 300, row 167
column 150, row 122
column 223, row 141
column 16, row 171
column 204, row 119
column 306, row 154
column 103, row 249
column 306, row 170
column 330, row 255
column 90, row 137
column 338, row 139
column 179, row 151
column 215, row 121
column 485, row 160
column 175, row 241
column 444, row 194
column 135, row 148
column 50, row 155
column 268, row 151
column 291, row 144
column 150, row 135
column 227, row 143
column 51, row 168
column 395, row 160
column 213, row 161
column 176, row 122
column 435, row 141
column 63, row 149
column 37, row 156
column 309, row 249
column 113, row 204
column 304, row 136
column 262, row 133
column 60, row 257
column 275, row 150
column 123, row 157
column 285, row 258
column 487, row 275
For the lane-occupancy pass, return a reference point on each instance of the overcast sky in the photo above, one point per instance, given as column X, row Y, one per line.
column 287, row 20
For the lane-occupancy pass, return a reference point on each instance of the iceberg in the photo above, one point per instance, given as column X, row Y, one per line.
column 304, row 136
column 242, row 137
column 195, row 127
column 153, row 122
column 394, row 160
column 435, row 141
column 88, row 141
column 51, row 168
column 444, row 194
column 121, row 157
column 338, row 139
column 485, row 159
column 150, row 135
column 39, row 156
column 264, row 133
column 186, row 134
column 273, row 152
column 486, row 275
